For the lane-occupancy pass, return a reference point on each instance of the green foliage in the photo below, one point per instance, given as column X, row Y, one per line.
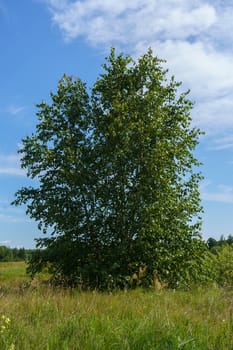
column 221, row 260
column 214, row 244
column 223, row 265
column 116, row 178
column 5, row 254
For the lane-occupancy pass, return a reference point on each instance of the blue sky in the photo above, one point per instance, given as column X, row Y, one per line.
column 40, row 40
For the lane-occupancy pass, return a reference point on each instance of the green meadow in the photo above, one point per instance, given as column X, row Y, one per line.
column 36, row 316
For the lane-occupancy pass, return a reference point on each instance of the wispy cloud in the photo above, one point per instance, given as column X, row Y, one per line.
column 10, row 165
column 14, row 110
column 5, row 243
column 13, row 219
column 11, row 214
column 223, row 194
column 224, row 142
column 195, row 37
column 3, row 10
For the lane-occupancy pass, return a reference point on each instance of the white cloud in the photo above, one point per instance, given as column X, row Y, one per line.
column 10, row 165
column 195, row 37
column 222, row 31
column 133, row 20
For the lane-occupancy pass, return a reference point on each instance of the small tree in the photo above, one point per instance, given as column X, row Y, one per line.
column 116, row 177
column 211, row 242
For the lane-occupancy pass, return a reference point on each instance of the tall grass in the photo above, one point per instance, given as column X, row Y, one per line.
column 58, row 319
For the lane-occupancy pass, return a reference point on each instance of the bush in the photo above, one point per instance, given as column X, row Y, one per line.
column 223, row 265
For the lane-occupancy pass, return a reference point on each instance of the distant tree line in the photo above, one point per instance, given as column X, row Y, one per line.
column 14, row 254
column 215, row 244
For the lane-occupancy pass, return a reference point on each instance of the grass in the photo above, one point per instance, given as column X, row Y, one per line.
column 9, row 270
column 43, row 318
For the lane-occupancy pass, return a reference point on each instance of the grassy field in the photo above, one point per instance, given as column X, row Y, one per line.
column 42, row 318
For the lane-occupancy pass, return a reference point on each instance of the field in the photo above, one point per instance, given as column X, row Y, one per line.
column 37, row 317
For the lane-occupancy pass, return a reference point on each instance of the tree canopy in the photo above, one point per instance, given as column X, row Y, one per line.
column 117, row 180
